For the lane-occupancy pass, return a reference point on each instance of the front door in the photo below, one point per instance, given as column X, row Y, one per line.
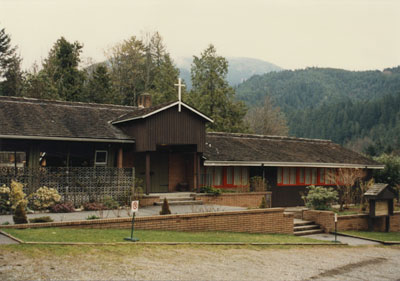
column 159, row 172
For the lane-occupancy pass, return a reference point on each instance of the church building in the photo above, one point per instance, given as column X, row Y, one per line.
column 168, row 146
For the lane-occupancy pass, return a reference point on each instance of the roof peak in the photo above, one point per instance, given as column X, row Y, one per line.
column 271, row 137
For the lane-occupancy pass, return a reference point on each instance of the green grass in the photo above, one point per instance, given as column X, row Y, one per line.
column 117, row 235
column 382, row 236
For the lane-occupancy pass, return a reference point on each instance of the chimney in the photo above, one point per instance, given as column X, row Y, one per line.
column 144, row 100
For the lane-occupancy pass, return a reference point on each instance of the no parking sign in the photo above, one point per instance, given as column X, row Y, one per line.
column 134, row 206
column 134, row 210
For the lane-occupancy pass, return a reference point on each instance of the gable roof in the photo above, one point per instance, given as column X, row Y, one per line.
column 380, row 191
column 27, row 118
column 225, row 149
column 141, row 113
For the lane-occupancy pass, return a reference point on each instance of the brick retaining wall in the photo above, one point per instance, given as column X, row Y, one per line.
column 250, row 221
column 349, row 222
column 246, row 200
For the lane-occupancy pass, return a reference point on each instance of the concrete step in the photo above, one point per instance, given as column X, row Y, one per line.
column 184, row 202
column 305, row 227
column 170, row 199
column 308, row 232
column 302, row 222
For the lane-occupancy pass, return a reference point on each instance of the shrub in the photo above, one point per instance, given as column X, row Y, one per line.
column 17, row 195
column 20, row 214
column 5, row 204
column 93, row 217
column 210, row 190
column 93, row 206
column 258, row 184
column 44, row 198
column 320, row 198
column 41, row 219
column 66, row 207
column 263, row 204
column 165, row 208
column 109, row 203
column 5, row 223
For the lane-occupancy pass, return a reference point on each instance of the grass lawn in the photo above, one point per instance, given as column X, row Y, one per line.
column 117, row 235
column 382, row 236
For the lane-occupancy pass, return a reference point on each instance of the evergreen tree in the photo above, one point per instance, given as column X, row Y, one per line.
column 212, row 95
column 138, row 67
column 166, row 76
column 128, row 69
column 39, row 85
column 11, row 75
column 61, row 66
column 99, row 87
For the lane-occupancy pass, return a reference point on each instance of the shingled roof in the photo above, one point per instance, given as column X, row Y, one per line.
column 45, row 119
column 255, row 150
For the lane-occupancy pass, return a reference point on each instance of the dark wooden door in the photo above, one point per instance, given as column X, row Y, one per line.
column 159, row 172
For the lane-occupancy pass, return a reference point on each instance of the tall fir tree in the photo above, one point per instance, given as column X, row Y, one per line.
column 11, row 75
column 61, row 66
column 212, row 95
column 99, row 86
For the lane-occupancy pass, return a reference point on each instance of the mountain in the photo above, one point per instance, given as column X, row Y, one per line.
column 239, row 70
column 359, row 109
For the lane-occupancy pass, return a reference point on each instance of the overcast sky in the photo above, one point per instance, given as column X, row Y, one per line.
column 349, row 34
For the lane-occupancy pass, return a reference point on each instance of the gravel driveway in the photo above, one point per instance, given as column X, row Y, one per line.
column 201, row 263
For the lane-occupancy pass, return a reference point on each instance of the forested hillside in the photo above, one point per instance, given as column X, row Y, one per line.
column 357, row 109
column 371, row 126
column 312, row 87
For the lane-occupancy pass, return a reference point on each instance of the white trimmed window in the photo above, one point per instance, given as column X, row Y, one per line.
column 100, row 158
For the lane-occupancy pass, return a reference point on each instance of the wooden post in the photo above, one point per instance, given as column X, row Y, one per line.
column 148, row 182
column 120, row 158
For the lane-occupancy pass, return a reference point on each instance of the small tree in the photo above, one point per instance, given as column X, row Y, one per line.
column 345, row 179
column 165, row 208
column 20, row 214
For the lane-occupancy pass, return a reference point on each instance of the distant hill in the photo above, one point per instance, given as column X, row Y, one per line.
column 307, row 88
column 360, row 109
column 239, row 70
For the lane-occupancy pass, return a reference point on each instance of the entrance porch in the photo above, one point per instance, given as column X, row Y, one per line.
column 171, row 168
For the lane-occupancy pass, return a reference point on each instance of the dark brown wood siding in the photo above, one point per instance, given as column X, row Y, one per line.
column 168, row 127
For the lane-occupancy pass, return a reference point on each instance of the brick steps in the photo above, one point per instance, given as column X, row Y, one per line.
column 302, row 227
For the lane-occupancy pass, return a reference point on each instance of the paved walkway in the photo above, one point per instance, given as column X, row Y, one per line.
column 343, row 239
column 143, row 212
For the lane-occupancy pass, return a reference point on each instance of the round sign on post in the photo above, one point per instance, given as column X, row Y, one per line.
column 135, row 206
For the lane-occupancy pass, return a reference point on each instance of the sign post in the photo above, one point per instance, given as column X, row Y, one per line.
column 336, row 228
column 134, row 210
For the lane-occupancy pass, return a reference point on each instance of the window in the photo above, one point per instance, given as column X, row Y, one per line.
column 100, row 158
column 305, row 176
column 12, row 159
column 226, row 176
column 237, row 172
column 217, row 176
